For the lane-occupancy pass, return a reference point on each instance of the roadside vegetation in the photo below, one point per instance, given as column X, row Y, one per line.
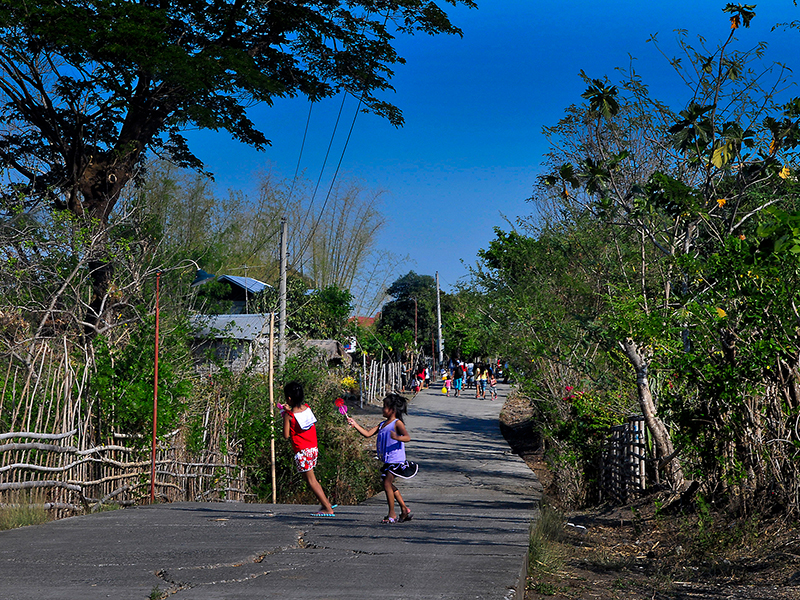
column 658, row 274
column 659, row 277
column 21, row 509
column 646, row 549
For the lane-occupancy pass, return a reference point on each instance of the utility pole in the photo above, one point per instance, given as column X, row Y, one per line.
column 246, row 298
column 439, row 319
column 272, row 404
column 282, row 291
column 415, row 323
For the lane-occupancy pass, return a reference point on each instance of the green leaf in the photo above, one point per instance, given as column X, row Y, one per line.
column 602, row 98
column 745, row 12
column 723, row 154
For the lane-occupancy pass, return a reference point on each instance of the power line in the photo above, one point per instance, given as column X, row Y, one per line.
column 310, row 236
column 338, row 166
column 322, row 170
column 300, row 156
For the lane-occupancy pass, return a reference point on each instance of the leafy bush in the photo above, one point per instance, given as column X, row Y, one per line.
column 123, row 380
column 345, row 469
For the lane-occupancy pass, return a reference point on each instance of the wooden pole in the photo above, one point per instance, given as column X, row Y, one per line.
column 363, row 378
column 282, row 297
column 272, row 404
column 439, row 321
column 155, row 403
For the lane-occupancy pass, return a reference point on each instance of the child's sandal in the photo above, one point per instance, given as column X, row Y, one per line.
column 387, row 520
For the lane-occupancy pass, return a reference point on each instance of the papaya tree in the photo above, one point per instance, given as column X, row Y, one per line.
column 689, row 182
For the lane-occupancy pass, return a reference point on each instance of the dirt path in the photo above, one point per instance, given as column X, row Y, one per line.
column 637, row 551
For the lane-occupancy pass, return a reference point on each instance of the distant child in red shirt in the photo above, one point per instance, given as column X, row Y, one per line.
column 299, row 428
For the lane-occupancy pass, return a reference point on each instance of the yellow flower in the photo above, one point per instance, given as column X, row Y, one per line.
column 349, row 383
column 784, row 173
column 721, row 313
column 721, row 202
column 741, row 237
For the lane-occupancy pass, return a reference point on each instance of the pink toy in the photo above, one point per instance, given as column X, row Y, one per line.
column 340, row 404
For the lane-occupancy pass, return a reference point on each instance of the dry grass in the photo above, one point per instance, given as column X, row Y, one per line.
column 20, row 509
column 545, row 553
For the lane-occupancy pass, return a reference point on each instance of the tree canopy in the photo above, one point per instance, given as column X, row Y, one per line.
column 412, row 310
column 88, row 86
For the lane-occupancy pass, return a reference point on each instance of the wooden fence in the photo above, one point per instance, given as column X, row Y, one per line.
column 49, row 444
column 623, row 473
column 379, row 379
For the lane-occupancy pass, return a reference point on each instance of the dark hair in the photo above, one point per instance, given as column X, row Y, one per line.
column 397, row 403
column 294, row 393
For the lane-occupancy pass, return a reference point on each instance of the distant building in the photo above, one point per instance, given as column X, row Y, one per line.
column 238, row 339
column 233, row 341
column 365, row 321
column 333, row 352
column 243, row 291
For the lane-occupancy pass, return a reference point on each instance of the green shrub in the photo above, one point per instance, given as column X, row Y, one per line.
column 346, row 470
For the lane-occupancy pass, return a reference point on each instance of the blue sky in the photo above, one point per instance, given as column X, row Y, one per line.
column 474, row 109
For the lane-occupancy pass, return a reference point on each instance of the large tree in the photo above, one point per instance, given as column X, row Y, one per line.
column 697, row 187
column 412, row 309
column 89, row 86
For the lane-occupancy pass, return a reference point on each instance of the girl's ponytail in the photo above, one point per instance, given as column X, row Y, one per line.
column 397, row 403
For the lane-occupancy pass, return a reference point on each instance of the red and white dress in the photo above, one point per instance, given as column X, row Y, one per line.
column 303, row 435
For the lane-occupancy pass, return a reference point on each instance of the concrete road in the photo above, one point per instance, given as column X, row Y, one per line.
column 473, row 502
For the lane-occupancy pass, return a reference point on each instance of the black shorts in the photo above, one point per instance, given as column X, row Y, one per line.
column 404, row 470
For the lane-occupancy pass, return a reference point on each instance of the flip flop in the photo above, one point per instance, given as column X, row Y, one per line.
column 322, row 514
column 388, row 520
column 408, row 517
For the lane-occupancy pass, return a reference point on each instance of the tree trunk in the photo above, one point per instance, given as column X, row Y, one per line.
column 100, row 184
column 663, row 443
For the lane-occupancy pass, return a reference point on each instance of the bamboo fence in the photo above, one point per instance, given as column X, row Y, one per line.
column 50, row 447
column 623, row 473
column 379, row 379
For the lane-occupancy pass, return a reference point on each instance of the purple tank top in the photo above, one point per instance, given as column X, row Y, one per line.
column 389, row 450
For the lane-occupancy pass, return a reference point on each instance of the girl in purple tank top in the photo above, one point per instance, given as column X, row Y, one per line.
column 392, row 437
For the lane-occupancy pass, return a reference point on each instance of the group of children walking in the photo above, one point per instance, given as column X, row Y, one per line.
column 299, row 429
column 483, row 378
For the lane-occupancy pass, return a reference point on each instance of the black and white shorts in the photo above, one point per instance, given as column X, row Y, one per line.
column 404, row 470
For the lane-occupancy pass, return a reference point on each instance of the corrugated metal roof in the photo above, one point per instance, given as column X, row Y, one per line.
column 239, row 327
column 248, row 283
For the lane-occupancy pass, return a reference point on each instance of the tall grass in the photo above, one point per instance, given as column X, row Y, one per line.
column 545, row 553
column 20, row 509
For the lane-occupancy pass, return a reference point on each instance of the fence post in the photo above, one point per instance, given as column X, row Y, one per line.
column 622, row 470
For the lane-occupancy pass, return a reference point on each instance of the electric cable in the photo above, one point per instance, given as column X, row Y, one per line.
column 322, row 171
column 300, row 156
column 321, row 213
